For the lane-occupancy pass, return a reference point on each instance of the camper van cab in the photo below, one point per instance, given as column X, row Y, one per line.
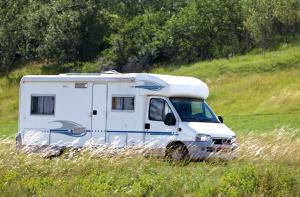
column 164, row 113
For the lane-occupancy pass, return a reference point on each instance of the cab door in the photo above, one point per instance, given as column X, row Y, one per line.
column 157, row 133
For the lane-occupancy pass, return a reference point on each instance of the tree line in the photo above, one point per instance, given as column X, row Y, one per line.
column 134, row 35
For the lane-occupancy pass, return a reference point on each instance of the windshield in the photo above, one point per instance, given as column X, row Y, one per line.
column 193, row 110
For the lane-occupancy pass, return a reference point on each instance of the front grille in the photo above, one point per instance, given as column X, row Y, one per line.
column 220, row 141
column 218, row 149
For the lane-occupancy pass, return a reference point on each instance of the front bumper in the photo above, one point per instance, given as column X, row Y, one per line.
column 208, row 150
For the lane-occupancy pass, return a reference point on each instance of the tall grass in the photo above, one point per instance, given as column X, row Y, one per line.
column 266, row 165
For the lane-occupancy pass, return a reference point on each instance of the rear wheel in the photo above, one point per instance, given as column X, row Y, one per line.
column 177, row 154
column 18, row 142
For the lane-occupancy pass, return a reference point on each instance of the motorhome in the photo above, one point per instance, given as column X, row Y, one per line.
column 159, row 112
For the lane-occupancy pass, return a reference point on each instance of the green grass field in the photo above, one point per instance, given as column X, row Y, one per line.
column 257, row 94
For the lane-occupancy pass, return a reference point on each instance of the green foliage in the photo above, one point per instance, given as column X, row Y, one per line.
column 266, row 20
column 139, row 43
column 197, row 31
column 11, row 38
column 90, row 68
column 75, row 30
column 206, row 29
column 239, row 182
column 136, row 35
column 249, row 180
column 57, row 31
column 8, row 127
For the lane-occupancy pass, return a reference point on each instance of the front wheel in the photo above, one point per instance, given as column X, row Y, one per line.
column 177, row 154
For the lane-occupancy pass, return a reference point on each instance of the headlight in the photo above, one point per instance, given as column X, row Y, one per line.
column 203, row 138
column 233, row 140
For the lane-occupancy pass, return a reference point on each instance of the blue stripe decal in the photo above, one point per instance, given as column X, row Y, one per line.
column 76, row 134
column 66, row 130
column 69, row 132
column 150, row 85
column 146, row 132
column 154, row 88
column 60, row 130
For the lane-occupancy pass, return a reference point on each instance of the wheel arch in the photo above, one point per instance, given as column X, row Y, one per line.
column 172, row 143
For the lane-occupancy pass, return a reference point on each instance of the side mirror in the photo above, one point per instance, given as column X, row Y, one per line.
column 170, row 119
column 220, row 119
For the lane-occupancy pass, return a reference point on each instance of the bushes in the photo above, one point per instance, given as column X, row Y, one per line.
column 201, row 30
column 267, row 21
column 57, row 31
column 139, row 43
column 206, row 29
column 75, row 30
column 135, row 35
column 11, row 37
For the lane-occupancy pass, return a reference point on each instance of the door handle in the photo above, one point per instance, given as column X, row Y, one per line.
column 147, row 126
column 94, row 112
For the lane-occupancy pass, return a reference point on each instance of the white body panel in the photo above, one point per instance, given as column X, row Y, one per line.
column 84, row 115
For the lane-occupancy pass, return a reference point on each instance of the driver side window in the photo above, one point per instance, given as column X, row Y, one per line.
column 158, row 109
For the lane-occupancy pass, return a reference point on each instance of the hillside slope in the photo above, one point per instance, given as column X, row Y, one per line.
column 254, row 92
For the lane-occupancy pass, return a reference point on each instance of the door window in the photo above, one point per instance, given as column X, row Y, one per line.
column 158, row 109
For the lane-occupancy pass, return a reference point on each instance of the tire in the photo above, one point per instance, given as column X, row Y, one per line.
column 177, row 154
column 51, row 152
column 18, row 143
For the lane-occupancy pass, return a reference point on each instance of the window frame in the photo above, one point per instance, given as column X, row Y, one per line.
column 165, row 102
column 123, row 96
column 42, row 95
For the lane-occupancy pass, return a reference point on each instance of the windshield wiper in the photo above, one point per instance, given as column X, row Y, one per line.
column 209, row 120
column 190, row 118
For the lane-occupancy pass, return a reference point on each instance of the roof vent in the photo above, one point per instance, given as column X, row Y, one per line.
column 111, row 72
column 81, row 85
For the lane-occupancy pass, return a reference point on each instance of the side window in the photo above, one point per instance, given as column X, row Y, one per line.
column 123, row 103
column 158, row 109
column 207, row 113
column 42, row 105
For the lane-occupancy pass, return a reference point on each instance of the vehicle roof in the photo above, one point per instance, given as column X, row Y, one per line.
column 149, row 84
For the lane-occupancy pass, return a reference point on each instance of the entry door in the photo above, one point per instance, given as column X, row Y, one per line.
column 157, row 134
column 99, row 113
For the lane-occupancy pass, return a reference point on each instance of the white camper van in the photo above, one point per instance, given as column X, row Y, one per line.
column 159, row 112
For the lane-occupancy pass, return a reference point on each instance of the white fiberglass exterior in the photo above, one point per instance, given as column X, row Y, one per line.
column 83, row 116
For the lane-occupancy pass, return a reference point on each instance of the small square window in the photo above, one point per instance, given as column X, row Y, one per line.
column 123, row 103
column 42, row 105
